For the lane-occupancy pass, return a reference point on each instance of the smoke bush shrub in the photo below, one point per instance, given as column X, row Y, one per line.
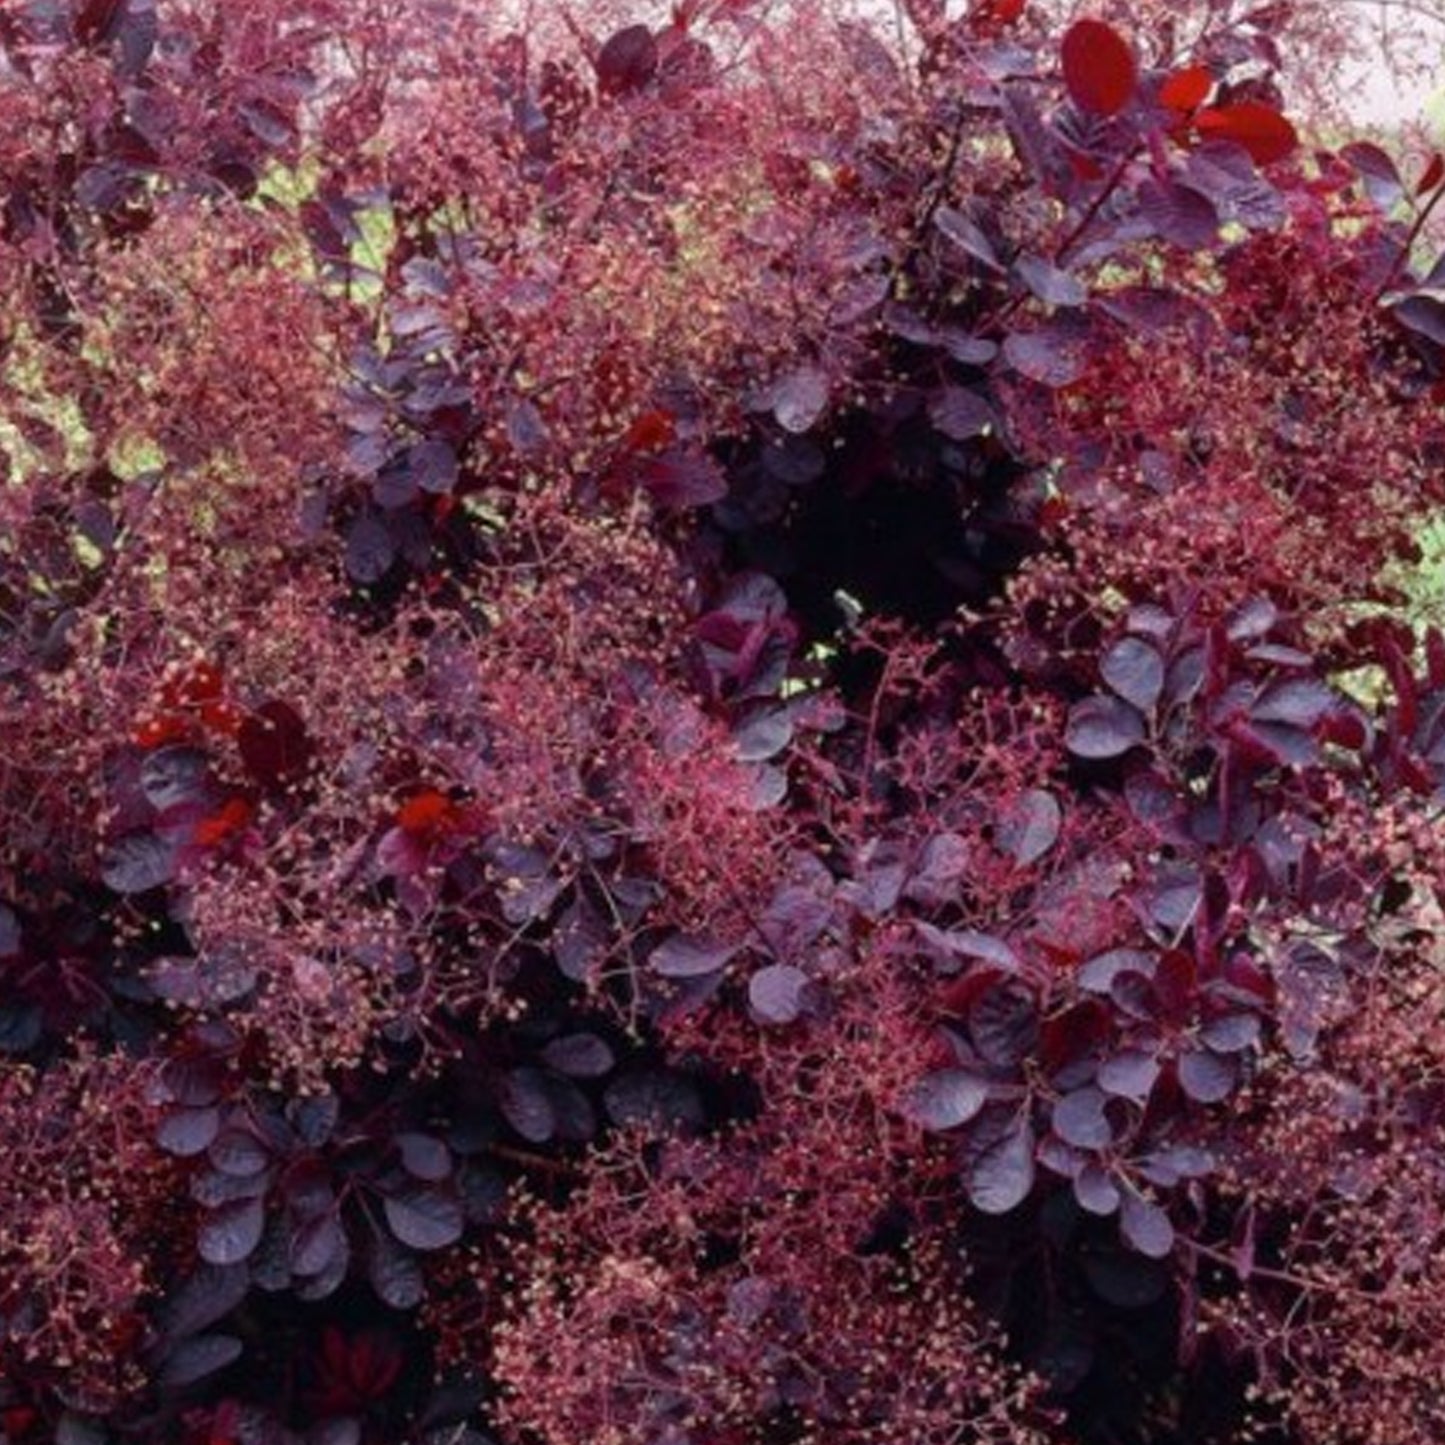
column 710, row 731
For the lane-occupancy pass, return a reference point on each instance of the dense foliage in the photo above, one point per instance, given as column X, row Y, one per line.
column 711, row 732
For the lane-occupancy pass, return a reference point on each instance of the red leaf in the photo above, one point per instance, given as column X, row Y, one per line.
column 233, row 816
column 1434, row 173
column 1187, row 89
column 427, row 814
column 1099, row 67
column 157, row 731
column 1259, row 128
column 652, row 431
column 995, row 15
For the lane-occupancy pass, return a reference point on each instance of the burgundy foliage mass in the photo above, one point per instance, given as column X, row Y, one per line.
column 711, row 731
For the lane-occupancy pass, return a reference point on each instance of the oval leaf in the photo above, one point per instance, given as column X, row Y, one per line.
column 799, row 398
column 1099, row 68
column 424, row 1219
column 627, row 61
column 188, row 1131
column 1029, row 826
column 1259, row 128
column 1135, row 670
column 1051, row 285
column 1145, row 1226
column 1001, row 1177
column 197, row 1357
column 1207, row 1077
column 944, row 1100
column 1186, row 89
column 776, row 992
column 231, row 1233
column 687, row 955
column 1079, row 1119
column 1129, row 1075
column 137, row 863
column 1103, row 727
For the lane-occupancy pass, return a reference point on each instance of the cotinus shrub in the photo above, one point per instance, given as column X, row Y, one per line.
column 715, row 729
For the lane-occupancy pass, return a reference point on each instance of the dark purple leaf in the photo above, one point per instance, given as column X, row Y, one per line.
column 1382, row 181
column 314, row 1117
column 941, row 868
column 961, row 413
column 370, row 549
column 230, row 1234
column 10, row 938
column 195, row 1358
column 240, row 1153
column 966, row 235
column 1166, row 1167
column 424, row 1219
column 1300, row 702
column 208, row 1294
column 1103, row 727
column 138, row 862
column 572, row 1109
column 1051, row 358
column 627, row 61
column 1253, row 619
column 1079, row 1119
column 776, row 993
column 1274, row 742
column 219, row 976
column 526, row 1104
column 1179, row 214
column 1100, row 973
column 1231, row 1033
column 1095, row 1191
column 1145, row 1226
column 971, row 944
column 186, row 1132
column 1129, row 1074
column 965, row 348
column 1004, row 1024
column 579, row 1056
column 799, row 398
column 394, row 1274
column 1001, row 1176
column 1154, row 803
column 763, row 736
column 433, row 465
column 211, row 1189
column 317, row 1245
column 686, row 955
column 1135, row 670
column 1207, row 1077
column 682, row 478
column 1028, row 826
column 174, row 775
column 1424, row 315
column 1049, row 283
column 526, row 430
column 657, row 1099
column 424, row 1156
column 944, row 1099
